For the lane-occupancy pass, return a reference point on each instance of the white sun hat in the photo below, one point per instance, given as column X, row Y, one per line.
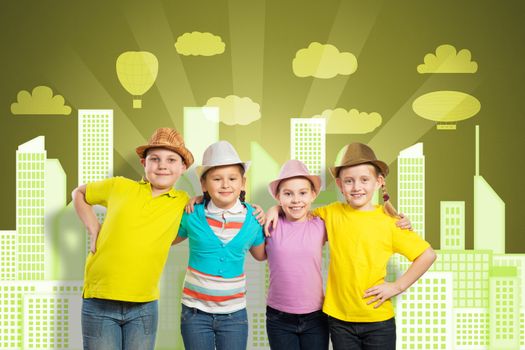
column 219, row 154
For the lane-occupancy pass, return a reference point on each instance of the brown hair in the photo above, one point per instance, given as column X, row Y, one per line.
column 206, row 195
column 312, row 187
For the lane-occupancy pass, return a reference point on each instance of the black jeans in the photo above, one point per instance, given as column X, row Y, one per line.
column 296, row 331
column 362, row 335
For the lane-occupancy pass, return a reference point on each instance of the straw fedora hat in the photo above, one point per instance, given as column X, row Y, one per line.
column 170, row 139
column 359, row 153
column 294, row 168
column 219, row 154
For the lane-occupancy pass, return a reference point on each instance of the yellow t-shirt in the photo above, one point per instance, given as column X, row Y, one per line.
column 134, row 241
column 361, row 242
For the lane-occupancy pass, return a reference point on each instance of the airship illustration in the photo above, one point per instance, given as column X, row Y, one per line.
column 446, row 107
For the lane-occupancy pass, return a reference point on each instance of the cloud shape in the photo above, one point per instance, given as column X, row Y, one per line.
column 323, row 61
column 40, row 101
column 446, row 106
column 235, row 110
column 199, row 44
column 340, row 121
column 446, row 60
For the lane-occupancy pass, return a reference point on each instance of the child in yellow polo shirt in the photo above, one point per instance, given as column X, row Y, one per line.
column 362, row 237
column 128, row 252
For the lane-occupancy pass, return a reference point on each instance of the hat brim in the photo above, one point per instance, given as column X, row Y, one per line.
column 202, row 169
column 380, row 164
column 314, row 179
column 181, row 151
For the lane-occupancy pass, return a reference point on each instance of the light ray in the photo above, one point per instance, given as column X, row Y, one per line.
column 126, row 135
column 172, row 83
column 405, row 128
column 352, row 21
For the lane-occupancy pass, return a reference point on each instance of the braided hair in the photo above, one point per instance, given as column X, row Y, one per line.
column 388, row 207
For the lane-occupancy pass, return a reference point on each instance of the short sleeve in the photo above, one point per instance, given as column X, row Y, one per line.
column 408, row 243
column 259, row 236
column 99, row 192
column 183, row 227
column 320, row 212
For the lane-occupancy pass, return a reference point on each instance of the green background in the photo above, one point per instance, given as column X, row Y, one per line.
column 72, row 46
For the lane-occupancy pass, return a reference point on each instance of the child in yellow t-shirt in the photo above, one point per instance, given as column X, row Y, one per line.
column 362, row 237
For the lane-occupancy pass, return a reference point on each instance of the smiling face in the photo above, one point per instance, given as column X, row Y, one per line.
column 224, row 185
column 162, row 168
column 358, row 185
column 295, row 196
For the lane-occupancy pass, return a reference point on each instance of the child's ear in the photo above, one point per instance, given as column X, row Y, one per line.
column 203, row 185
column 380, row 181
column 339, row 183
column 143, row 162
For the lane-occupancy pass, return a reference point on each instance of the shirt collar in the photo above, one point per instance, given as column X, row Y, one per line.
column 237, row 208
column 172, row 193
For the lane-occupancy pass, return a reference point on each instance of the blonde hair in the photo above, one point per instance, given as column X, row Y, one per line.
column 388, row 207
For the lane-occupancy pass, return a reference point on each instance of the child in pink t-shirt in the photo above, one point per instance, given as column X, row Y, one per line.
column 294, row 317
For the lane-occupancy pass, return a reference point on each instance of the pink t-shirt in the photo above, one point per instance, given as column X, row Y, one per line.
column 294, row 257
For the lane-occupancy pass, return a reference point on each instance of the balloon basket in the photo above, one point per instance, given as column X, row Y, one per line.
column 137, row 103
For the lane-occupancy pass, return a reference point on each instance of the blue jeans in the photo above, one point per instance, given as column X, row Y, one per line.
column 204, row 331
column 362, row 335
column 115, row 325
column 296, row 331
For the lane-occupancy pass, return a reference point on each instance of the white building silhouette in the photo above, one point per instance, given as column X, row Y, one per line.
column 8, row 255
column 308, row 144
column 30, row 204
column 95, row 150
column 411, row 186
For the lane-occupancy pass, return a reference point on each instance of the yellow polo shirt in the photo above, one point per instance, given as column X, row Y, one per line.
column 361, row 242
column 134, row 240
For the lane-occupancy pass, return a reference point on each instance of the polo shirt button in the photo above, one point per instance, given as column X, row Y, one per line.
column 223, row 245
column 221, row 259
column 220, row 271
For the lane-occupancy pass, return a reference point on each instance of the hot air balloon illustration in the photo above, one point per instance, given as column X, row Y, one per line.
column 137, row 71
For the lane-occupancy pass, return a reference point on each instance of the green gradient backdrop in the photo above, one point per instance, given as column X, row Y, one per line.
column 72, row 46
